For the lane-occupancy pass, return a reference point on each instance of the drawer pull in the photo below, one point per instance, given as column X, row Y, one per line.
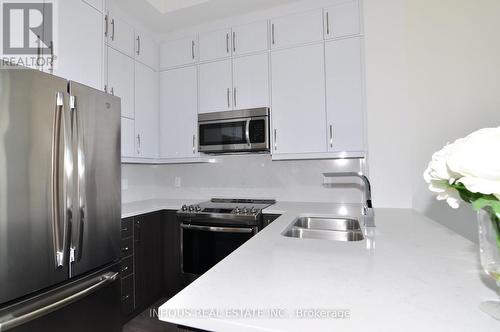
column 125, row 298
column 125, row 268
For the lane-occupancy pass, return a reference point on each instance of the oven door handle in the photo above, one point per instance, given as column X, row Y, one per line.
column 217, row 229
column 247, row 132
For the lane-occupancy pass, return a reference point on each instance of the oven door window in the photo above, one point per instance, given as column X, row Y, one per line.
column 223, row 133
column 202, row 249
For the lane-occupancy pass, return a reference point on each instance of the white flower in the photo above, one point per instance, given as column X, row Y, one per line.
column 439, row 177
column 476, row 160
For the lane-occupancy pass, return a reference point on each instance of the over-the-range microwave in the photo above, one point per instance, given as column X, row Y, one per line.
column 234, row 131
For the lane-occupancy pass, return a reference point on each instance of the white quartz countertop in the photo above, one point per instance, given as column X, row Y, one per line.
column 142, row 207
column 411, row 274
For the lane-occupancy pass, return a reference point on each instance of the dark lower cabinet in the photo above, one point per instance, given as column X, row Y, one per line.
column 150, row 261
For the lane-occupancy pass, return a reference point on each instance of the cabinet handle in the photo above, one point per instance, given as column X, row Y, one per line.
column 112, row 91
column 228, row 97
column 192, row 49
column 113, row 29
column 234, row 96
column 125, row 268
column 275, row 140
column 331, row 136
column 234, row 41
column 327, row 23
column 138, row 45
column 106, row 88
column 227, row 42
column 139, row 144
column 194, row 144
column 272, row 33
column 106, row 23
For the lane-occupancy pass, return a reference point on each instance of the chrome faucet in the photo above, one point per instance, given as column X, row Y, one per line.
column 368, row 213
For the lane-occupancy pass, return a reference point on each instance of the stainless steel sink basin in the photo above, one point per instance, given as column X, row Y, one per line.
column 333, row 229
column 331, row 224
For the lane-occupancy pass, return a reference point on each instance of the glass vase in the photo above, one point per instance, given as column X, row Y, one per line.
column 489, row 249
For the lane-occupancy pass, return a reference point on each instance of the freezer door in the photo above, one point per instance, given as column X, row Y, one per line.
column 95, row 230
column 35, row 178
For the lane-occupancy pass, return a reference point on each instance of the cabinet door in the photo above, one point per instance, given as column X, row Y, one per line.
column 146, row 50
column 79, row 52
column 297, row 29
column 147, row 108
column 148, row 258
column 344, row 88
column 250, row 38
column 298, row 100
column 128, row 138
column 178, row 113
column 251, row 81
column 178, row 52
column 121, row 80
column 215, row 86
column 342, row 20
column 172, row 260
column 215, row 45
column 121, row 35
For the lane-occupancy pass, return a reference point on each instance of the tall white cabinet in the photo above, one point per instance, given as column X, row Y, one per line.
column 146, row 111
column 298, row 103
column 178, row 113
column 344, row 87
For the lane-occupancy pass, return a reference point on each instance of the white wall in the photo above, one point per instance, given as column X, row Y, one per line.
column 454, row 84
column 243, row 176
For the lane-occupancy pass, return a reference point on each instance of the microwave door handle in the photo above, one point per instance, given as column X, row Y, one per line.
column 217, row 229
column 247, row 132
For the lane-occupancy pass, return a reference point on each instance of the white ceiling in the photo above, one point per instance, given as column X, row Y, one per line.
column 163, row 16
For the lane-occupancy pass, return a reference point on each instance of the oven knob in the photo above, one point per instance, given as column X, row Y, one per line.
column 184, row 207
column 237, row 210
column 245, row 210
column 253, row 210
column 197, row 208
column 191, row 208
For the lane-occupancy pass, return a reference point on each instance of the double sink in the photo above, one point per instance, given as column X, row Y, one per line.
column 333, row 229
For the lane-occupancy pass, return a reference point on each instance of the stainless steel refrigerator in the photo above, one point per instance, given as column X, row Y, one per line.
column 60, row 205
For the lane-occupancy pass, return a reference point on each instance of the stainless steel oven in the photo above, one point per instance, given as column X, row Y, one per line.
column 212, row 230
column 234, row 131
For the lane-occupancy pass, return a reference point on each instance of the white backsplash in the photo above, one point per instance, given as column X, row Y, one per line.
column 254, row 176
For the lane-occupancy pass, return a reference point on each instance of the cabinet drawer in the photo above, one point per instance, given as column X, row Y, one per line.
column 127, row 295
column 127, row 229
column 127, row 266
column 127, row 247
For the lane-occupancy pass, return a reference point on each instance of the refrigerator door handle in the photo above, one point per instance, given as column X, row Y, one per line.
column 77, row 238
column 61, row 177
column 52, row 303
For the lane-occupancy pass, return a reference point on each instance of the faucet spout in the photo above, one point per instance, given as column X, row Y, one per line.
column 369, row 214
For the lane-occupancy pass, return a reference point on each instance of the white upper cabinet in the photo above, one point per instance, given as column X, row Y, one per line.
column 147, row 107
column 251, row 81
column 79, row 51
column 178, row 52
column 146, row 50
column 128, row 141
column 342, row 20
column 178, row 113
column 215, row 82
column 120, row 35
column 97, row 4
column 344, row 87
column 298, row 100
column 250, row 38
column 297, row 29
column 121, row 80
column 215, row 45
